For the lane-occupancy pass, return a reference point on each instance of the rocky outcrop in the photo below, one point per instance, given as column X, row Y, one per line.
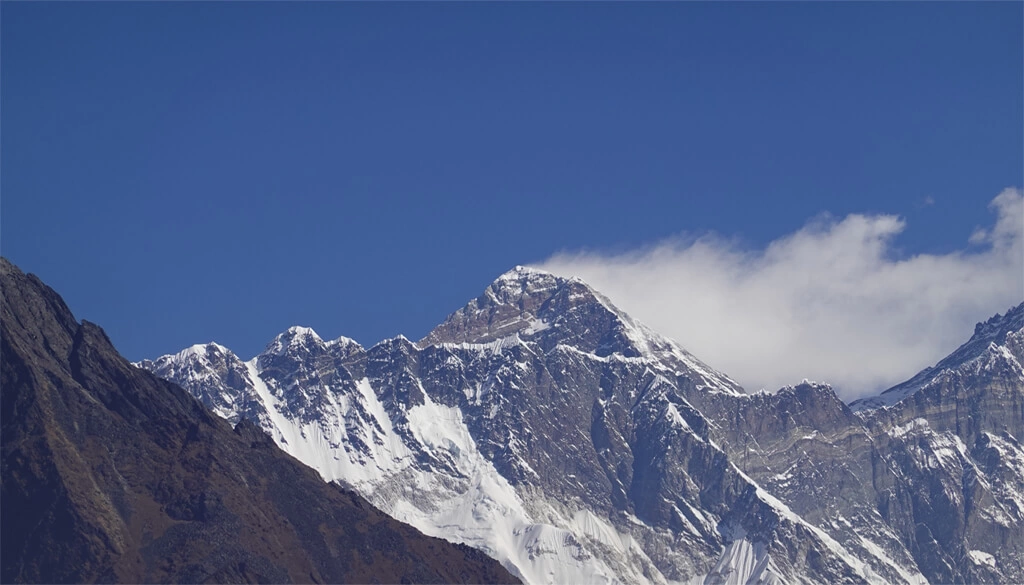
column 928, row 473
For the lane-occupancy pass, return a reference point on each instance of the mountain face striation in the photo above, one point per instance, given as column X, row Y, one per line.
column 112, row 474
column 933, row 482
column 546, row 428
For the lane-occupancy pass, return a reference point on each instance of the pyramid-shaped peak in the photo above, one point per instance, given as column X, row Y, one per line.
column 537, row 306
column 295, row 337
column 300, row 331
column 202, row 349
column 200, row 353
column 518, row 300
column 523, row 278
column 523, row 281
column 532, row 274
column 521, row 270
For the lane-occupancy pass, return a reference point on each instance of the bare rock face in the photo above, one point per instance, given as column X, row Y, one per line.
column 929, row 471
column 956, row 441
column 548, row 429
column 112, row 474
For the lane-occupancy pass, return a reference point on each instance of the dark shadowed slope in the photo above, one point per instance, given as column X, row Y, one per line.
column 111, row 474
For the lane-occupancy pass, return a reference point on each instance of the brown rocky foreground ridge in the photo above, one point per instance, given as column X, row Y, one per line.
column 112, row 474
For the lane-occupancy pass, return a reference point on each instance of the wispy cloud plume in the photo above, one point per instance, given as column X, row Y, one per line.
column 829, row 302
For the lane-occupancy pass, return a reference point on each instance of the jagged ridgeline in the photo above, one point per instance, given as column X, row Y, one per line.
column 546, row 428
column 112, row 474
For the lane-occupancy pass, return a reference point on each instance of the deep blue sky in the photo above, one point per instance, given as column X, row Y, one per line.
column 186, row 172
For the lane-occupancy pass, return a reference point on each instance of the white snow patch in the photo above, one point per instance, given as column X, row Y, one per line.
column 536, row 326
column 918, row 424
column 471, row 504
column 911, row 576
column 981, row 557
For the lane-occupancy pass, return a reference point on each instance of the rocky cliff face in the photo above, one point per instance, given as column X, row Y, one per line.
column 111, row 474
column 927, row 474
column 545, row 427
column 954, row 439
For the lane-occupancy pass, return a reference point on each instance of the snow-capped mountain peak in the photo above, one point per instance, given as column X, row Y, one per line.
column 296, row 338
column 554, row 311
column 544, row 426
column 193, row 361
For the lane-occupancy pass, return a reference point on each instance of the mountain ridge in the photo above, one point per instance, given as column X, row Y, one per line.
column 572, row 412
column 112, row 474
column 993, row 331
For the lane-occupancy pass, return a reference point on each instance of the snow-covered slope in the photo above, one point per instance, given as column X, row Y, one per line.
column 428, row 473
column 542, row 425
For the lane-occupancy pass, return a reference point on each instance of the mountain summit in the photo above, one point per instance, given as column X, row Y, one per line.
column 531, row 305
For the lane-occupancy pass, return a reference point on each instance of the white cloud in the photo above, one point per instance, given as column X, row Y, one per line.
column 829, row 302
